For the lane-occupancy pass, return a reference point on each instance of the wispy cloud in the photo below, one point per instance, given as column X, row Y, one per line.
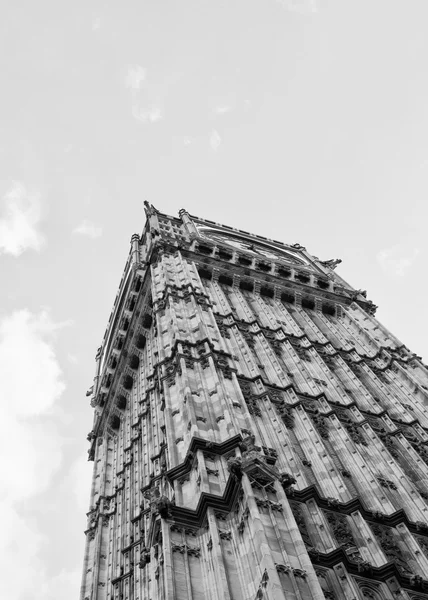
column 96, row 24
column 303, row 7
column 222, row 109
column 215, row 140
column 143, row 111
column 146, row 115
column 21, row 213
column 135, row 77
column 26, row 340
column 89, row 229
column 397, row 259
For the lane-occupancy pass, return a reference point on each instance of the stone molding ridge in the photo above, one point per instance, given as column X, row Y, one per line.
column 356, row 504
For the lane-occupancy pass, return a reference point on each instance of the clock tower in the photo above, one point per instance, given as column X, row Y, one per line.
column 257, row 433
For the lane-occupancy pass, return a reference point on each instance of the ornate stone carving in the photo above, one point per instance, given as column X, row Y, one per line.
column 301, row 524
column 250, row 399
column 287, row 481
column 234, row 464
column 145, row 557
column 390, row 547
column 224, row 330
column 320, row 423
column 386, row 483
column 343, row 534
column 159, row 504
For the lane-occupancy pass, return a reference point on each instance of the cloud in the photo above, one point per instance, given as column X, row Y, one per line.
column 72, row 358
column 397, row 259
column 144, row 115
column 143, row 111
column 215, row 140
column 19, row 221
column 96, row 24
column 304, row 7
column 222, row 109
column 135, row 77
column 89, row 229
column 30, row 445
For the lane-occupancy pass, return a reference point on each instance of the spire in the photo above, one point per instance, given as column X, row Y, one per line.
column 152, row 217
column 150, row 209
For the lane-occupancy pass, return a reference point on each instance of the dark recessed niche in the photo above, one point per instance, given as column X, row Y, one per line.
column 134, row 361
column 114, row 422
column 205, row 274
column 328, row 309
column 121, row 402
column 289, row 298
column 268, row 292
column 243, row 260
column 119, row 343
column 108, row 380
column 131, row 303
column 127, row 382
column 225, row 280
column 147, row 320
column 246, row 285
column 323, row 284
column 140, row 341
column 125, row 324
column 225, row 255
column 137, row 285
column 204, row 249
column 263, row 267
column 308, row 303
column 303, row 277
column 284, row 272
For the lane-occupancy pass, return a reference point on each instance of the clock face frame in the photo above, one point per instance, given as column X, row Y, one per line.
column 255, row 248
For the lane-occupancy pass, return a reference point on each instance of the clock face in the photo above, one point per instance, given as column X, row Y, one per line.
column 251, row 248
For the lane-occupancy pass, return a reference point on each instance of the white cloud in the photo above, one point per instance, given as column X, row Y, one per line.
column 89, row 229
column 303, row 7
column 146, row 115
column 21, row 215
column 96, row 24
column 222, row 109
column 142, row 110
column 135, row 77
column 397, row 259
column 215, row 140
column 72, row 358
column 65, row 585
column 30, row 445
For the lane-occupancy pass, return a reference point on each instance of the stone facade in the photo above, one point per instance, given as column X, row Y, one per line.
column 258, row 434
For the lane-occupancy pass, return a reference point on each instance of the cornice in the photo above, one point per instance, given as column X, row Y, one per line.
column 228, row 268
column 196, row 444
column 356, row 504
column 363, row 569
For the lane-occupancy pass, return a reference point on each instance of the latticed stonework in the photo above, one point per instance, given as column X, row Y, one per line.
column 257, row 432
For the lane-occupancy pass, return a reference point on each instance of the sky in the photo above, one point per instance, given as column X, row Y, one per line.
column 300, row 120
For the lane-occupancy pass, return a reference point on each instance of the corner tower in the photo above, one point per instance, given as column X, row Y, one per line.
column 257, row 434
